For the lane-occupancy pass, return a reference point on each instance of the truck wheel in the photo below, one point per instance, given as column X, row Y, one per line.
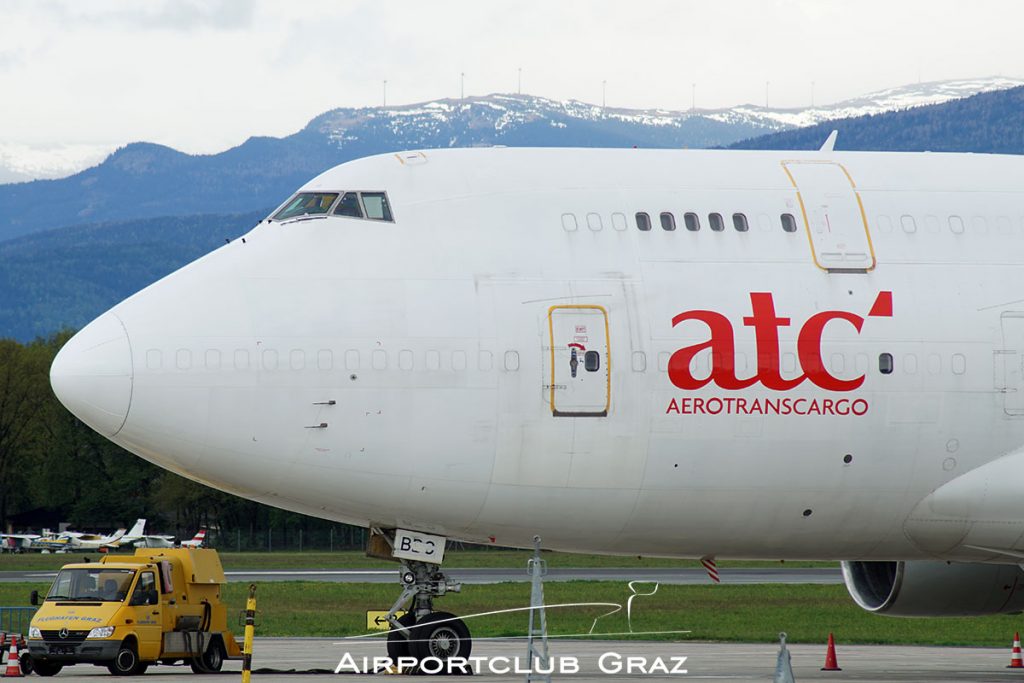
column 211, row 661
column 126, row 661
column 46, row 668
column 25, row 660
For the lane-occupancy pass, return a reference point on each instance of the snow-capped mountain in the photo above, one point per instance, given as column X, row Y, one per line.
column 21, row 162
column 510, row 119
column 527, row 120
column 892, row 99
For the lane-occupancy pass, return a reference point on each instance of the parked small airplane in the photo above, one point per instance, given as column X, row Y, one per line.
column 196, row 541
column 137, row 537
column 16, row 543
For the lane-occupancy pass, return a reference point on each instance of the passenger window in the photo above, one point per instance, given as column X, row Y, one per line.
column 306, row 203
column 592, row 361
column 716, row 222
column 377, row 207
column 885, row 363
column 349, row 206
column 739, row 221
column 639, row 361
column 643, row 221
column 692, row 222
column 788, row 222
column 668, row 221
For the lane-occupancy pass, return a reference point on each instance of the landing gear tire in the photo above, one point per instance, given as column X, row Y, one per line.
column 126, row 662
column 441, row 636
column 398, row 643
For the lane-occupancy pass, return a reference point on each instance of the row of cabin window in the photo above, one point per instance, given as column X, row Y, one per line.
column 458, row 361
column 715, row 221
column 270, row 359
column 956, row 224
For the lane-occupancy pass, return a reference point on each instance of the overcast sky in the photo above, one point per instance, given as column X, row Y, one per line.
column 203, row 75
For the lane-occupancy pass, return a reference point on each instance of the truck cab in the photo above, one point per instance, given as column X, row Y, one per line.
column 128, row 612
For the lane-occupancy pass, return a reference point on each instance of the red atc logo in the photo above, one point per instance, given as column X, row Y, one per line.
column 766, row 324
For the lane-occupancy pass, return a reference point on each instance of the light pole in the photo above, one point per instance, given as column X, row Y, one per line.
column 385, row 92
column 604, row 93
column 693, row 97
column 462, row 85
column 766, row 84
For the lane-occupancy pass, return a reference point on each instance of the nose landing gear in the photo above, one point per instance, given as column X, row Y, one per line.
column 421, row 633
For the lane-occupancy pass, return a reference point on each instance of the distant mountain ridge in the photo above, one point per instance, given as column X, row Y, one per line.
column 144, row 180
column 991, row 122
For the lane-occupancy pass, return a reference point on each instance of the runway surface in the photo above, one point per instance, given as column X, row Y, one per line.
column 665, row 575
column 705, row 661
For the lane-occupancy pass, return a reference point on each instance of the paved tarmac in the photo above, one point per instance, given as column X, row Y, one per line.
column 705, row 661
column 666, row 575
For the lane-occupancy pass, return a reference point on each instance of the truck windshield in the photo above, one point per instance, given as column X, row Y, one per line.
column 94, row 584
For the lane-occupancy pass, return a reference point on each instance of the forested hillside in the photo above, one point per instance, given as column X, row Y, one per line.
column 990, row 122
column 66, row 277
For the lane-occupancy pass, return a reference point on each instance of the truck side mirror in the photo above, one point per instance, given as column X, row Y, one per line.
column 33, row 597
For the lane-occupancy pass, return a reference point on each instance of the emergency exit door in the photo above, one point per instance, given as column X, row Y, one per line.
column 580, row 372
column 833, row 215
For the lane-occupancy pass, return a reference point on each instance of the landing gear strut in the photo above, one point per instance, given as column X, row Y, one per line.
column 421, row 633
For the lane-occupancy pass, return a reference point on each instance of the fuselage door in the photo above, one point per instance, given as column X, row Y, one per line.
column 1009, row 363
column 579, row 378
column 833, row 216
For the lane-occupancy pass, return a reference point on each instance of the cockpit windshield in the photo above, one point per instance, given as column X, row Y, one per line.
column 307, row 204
column 97, row 584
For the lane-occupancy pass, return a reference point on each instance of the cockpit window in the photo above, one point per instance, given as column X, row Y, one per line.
column 307, row 203
column 376, row 205
column 349, row 206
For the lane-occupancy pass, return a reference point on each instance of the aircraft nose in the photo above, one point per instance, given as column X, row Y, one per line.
column 92, row 375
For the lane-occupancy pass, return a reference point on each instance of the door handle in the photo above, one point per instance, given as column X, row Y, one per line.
column 156, row 612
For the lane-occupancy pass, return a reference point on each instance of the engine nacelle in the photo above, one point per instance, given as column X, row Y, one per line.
column 935, row 589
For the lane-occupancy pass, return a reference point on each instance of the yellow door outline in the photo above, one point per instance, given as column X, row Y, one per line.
column 608, row 361
column 807, row 222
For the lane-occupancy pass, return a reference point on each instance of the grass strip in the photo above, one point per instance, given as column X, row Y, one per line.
column 716, row 613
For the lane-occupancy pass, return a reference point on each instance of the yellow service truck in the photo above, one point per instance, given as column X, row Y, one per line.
column 126, row 612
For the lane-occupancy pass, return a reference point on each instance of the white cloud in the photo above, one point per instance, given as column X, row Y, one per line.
column 201, row 76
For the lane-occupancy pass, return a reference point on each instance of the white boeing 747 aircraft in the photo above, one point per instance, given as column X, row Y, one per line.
column 687, row 354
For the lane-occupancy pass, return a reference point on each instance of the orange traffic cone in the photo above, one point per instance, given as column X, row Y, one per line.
column 3, row 639
column 13, row 663
column 1015, row 660
column 830, row 656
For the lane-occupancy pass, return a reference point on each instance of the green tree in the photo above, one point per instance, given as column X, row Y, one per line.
column 24, row 387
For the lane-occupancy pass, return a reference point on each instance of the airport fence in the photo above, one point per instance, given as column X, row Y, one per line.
column 16, row 619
